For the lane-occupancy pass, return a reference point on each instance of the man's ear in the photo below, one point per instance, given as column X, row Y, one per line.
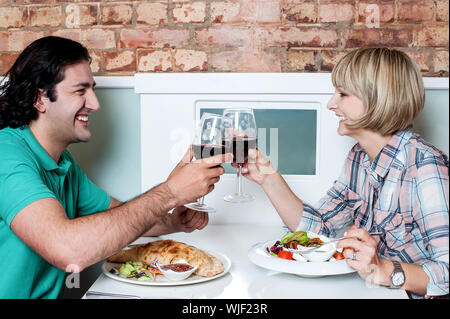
column 41, row 101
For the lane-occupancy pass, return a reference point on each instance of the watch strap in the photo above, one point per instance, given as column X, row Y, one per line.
column 397, row 266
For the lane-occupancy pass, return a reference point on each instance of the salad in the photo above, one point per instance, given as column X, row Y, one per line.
column 297, row 240
column 137, row 271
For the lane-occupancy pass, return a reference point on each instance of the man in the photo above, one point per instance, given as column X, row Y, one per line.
column 47, row 225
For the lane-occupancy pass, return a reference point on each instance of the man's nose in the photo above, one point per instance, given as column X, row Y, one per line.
column 92, row 101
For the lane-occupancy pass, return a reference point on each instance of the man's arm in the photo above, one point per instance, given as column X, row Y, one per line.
column 44, row 226
column 180, row 220
column 114, row 203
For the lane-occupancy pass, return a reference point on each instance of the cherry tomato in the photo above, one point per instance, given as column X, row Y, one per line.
column 338, row 256
column 285, row 255
column 349, row 248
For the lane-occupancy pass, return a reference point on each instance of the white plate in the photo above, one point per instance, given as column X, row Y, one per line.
column 259, row 256
column 163, row 281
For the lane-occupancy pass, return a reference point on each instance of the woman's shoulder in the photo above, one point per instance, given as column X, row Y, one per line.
column 418, row 151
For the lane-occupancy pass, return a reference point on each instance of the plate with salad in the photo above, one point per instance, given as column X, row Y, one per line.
column 151, row 275
column 284, row 255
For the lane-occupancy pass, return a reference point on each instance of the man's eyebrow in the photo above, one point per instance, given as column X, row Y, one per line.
column 85, row 84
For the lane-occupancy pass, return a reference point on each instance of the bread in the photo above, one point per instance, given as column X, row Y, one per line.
column 170, row 251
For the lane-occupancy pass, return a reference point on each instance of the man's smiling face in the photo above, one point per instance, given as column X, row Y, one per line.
column 68, row 116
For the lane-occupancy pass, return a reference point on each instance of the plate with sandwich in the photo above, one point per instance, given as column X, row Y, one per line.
column 166, row 263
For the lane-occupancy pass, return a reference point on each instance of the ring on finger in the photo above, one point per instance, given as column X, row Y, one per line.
column 353, row 255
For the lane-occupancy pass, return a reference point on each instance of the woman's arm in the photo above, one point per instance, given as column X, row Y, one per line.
column 287, row 204
column 430, row 213
column 291, row 208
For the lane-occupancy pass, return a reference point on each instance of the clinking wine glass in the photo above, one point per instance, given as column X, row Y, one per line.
column 240, row 136
column 208, row 141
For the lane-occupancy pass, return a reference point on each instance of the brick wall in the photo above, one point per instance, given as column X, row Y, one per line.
column 125, row 37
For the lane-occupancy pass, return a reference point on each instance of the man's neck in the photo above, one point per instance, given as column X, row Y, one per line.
column 53, row 148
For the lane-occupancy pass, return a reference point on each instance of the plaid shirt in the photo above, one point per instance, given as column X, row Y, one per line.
column 404, row 193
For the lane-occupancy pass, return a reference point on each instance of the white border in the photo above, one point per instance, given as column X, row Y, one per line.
column 160, row 84
column 247, row 83
column 435, row 83
column 115, row 82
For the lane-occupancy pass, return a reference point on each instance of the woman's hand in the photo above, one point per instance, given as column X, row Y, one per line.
column 366, row 261
column 257, row 168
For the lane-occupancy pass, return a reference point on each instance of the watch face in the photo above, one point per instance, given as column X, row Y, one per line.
column 398, row 279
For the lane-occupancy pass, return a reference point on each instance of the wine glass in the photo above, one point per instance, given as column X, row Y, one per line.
column 208, row 141
column 240, row 137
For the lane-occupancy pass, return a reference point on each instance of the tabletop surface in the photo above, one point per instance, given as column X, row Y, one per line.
column 246, row 280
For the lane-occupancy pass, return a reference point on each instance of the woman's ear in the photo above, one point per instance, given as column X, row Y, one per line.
column 41, row 101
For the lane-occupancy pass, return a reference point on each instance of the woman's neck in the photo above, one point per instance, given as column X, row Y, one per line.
column 372, row 142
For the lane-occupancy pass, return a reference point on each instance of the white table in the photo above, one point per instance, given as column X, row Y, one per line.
column 245, row 280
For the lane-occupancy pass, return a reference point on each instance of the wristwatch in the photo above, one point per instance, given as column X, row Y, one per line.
column 398, row 276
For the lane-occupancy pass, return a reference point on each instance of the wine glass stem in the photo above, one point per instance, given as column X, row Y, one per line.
column 201, row 201
column 239, row 180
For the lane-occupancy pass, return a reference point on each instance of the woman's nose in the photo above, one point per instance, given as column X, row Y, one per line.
column 332, row 103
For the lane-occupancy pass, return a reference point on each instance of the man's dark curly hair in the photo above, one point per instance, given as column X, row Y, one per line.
column 40, row 66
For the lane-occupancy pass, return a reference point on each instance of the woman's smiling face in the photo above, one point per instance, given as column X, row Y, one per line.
column 349, row 108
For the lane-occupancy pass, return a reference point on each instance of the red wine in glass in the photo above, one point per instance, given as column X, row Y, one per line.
column 207, row 150
column 240, row 146
column 208, row 142
column 240, row 136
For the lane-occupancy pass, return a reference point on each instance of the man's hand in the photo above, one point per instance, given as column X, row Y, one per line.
column 181, row 219
column 187, row 220
column 192, row 180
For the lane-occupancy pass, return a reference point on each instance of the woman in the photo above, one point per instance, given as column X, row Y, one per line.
column 392, row 180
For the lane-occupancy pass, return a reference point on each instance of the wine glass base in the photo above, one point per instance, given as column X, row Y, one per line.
column 200, row 208
column 239, row 198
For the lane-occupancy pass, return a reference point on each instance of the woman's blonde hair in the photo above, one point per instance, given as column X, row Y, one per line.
column 389, row 84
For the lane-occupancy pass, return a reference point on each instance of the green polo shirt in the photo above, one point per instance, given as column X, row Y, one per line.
column 27, row 174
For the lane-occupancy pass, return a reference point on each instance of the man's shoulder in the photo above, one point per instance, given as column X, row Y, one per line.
column 11, row 134
column 13, row 145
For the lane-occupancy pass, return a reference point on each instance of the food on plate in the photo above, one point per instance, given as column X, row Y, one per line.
column 177, row 267
column 285, row 255
column 338, row 255
column 177, row 271
column 136, row 271
column 349, row 248
column 302, row 239
column 169, row 252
